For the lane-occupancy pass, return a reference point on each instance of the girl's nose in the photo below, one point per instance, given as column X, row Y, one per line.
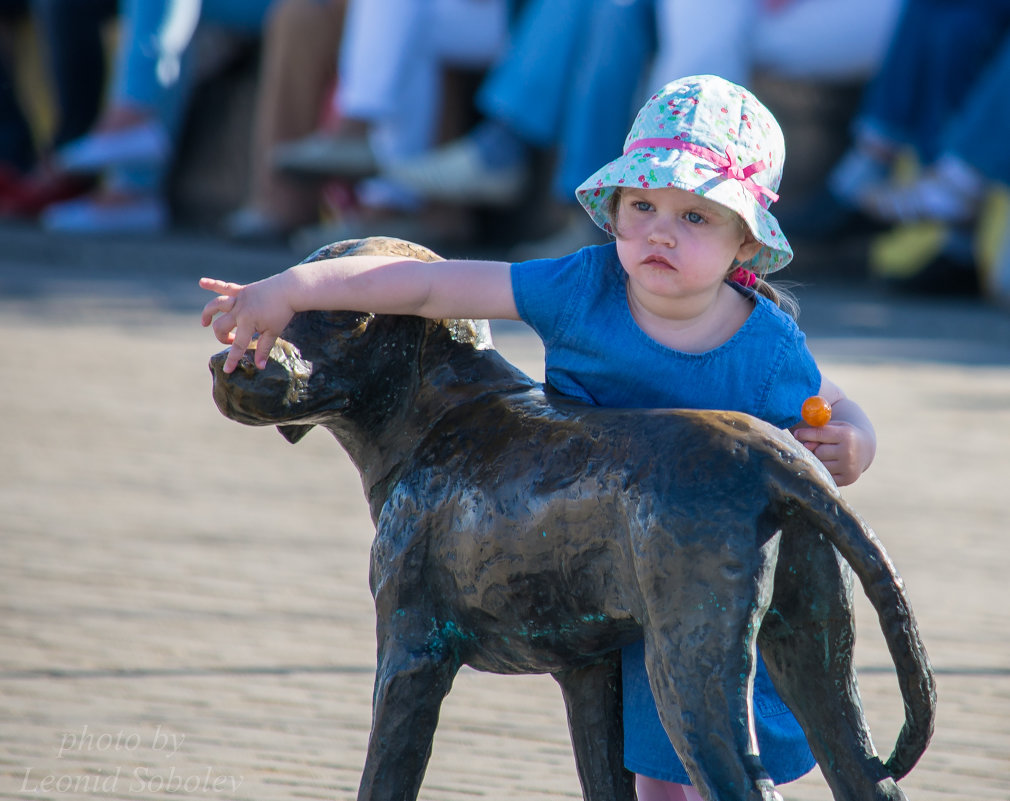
column 661, row 233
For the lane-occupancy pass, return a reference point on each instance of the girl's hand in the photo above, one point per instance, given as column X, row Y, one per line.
column 240, row 312
column 846, row 444
column 840, row 446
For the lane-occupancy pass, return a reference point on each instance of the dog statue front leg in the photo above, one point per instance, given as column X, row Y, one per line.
column 411, row 681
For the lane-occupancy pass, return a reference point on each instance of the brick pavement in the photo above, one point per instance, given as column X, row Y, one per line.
column 184, row 605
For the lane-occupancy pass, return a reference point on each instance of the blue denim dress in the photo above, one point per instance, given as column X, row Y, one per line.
column 596, row 352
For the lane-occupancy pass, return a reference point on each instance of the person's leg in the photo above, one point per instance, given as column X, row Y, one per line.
column 140, row 110
column 924, row 73
column 602, row 97
column 973, row 155
column 830, row 40
column 17, row 149
column 134, row 137
column 978, row 135
column 921, row 80
column 606, row 76
column 27, row 181
column 298, row 67
column 920, row 83
column 999, row 284
column 153, row 68
column 460, row 33
column 714, row 37
column 527, row 88
column 142, row 43
column 374, row 51
column 952, row 190
column 521, row 100
column 71, row 31
column 648, row 789
column 378, row 38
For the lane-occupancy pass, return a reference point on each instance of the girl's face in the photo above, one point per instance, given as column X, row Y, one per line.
column 676, row 245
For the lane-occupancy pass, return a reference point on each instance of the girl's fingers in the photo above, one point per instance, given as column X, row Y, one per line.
column 235, row 354
column 224, row 302
column 231, row 327
column 263, row 347
column 223, row 327
column 240, row 344
column 220, row 304
column 219, row 286
column 818, row 434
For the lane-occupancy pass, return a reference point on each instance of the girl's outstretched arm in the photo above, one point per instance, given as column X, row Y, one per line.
column 848, row 443
column 437, row 289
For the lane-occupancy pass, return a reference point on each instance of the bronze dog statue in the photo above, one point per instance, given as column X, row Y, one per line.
column 520, row 532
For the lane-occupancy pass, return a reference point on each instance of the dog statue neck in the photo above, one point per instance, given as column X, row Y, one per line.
column 453, row 364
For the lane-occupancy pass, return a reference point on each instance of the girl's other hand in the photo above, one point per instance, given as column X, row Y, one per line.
column 846, row 444
column 240, row 312
column 840, row 446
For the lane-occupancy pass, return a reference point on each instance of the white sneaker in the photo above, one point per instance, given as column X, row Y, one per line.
column 146, row 144
column 99, row 215
column 250, row 225
column 951, row 192
column 856, row 174
column 456, row 173
column 327, row 154
column 578, row 232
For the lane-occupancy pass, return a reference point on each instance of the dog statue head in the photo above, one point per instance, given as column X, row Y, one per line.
column 367, row 378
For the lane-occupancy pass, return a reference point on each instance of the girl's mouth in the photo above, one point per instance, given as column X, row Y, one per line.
column 660, row 262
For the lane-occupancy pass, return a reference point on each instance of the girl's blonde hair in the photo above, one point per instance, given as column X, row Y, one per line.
column 777, row 293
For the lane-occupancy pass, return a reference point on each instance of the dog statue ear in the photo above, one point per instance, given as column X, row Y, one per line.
column 293, row 433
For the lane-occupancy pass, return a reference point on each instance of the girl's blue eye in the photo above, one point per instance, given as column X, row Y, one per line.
column 694, row 217
column 642, row 205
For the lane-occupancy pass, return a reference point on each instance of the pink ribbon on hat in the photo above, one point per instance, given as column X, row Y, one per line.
column 724, row 164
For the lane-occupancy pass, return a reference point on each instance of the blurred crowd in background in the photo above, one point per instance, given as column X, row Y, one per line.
column 467, row 124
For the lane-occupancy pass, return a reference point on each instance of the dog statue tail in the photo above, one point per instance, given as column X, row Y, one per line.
column 830, row 514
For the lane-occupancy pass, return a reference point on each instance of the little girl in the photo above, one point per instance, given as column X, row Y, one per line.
column 671, row 314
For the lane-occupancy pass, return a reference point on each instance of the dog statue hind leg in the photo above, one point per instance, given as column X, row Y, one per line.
column 700, row 645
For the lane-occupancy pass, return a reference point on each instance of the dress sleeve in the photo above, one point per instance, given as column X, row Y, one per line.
column 795, row 378
column 546, row 290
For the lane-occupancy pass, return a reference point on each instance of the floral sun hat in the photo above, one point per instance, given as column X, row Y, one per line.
column 708, row 136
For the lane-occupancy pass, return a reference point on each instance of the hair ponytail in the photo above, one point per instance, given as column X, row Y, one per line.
column 776, row 293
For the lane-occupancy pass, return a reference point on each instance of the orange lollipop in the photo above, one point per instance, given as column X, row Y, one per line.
column 816, row 411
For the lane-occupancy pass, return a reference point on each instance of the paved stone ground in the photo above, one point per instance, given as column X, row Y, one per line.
column 183, row 601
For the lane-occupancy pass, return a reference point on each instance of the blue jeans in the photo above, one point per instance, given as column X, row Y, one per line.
column 979, row 134
column 154, row 64
column 569, row 80
column 930, row 67
column 147, row 38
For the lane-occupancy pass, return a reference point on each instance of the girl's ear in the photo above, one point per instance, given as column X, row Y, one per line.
column 748, row 249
